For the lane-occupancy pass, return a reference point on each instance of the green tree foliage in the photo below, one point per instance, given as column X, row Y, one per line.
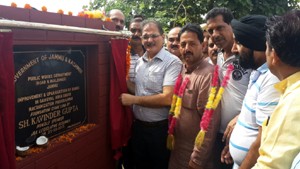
column 179, row 12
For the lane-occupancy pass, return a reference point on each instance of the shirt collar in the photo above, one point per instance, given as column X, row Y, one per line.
column 286, row 83
column 160, row 55
column 263, row 68
column 230, row 58
column 195, row 66
column 256, row 73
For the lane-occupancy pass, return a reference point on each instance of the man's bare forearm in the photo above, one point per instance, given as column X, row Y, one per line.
column 153, row 101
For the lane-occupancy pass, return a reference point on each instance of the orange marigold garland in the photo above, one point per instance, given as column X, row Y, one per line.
column 67, row 137
column 27, row 6
column 212, row 103
column 44, row 8
column 13, row 4
column 107, row 19
column 175, row 109
column 175, row 96
column 96, row 14
column 128, row 58
column 60, row 11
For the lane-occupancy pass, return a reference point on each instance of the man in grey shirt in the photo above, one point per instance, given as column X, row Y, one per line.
column 156, row 73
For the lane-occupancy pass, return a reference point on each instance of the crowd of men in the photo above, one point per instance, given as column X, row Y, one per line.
column 255, row 124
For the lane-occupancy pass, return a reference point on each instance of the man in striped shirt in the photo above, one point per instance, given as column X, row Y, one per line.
column 137, row 49
column 261, row 97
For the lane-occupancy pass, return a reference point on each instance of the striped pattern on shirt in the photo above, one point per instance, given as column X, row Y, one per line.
column 133, row 60
column 259, row 102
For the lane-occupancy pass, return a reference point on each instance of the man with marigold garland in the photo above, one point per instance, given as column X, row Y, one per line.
column 219, row 27
column 193, row 95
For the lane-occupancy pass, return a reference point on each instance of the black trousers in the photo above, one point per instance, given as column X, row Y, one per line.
column 127, row 159
column 219, row 145
column 149, row 142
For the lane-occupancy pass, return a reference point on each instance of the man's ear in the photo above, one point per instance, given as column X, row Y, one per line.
column 164, row 39
column 203, row 45
column 275, row 59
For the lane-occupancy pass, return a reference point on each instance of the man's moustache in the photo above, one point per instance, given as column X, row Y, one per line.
column 149, row 44
column 188, row 53
column 174, row 46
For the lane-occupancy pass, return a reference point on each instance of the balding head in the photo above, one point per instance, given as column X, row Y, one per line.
column 173, row 41
column 118, row 18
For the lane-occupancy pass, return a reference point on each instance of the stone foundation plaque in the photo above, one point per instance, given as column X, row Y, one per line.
column 50, row 93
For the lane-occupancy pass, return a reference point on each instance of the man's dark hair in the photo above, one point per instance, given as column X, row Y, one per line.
column 225, row 12
column 192, row 28
column 150, row 21
column 135, row 20
column 140, row 16
column 283, row 35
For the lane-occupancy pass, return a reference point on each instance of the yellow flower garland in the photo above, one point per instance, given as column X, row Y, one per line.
column 212, row 104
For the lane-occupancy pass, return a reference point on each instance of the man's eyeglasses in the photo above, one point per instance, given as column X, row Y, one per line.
column 150, row 36
column 173, row 40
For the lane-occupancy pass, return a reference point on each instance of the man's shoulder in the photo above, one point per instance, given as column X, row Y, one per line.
column 134, row 56
column 204, row 68
column 140, row 59
column 268, row 78
column 166, row 55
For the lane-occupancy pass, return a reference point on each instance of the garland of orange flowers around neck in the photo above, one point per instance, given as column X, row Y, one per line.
column 212, row 103
column 175, row 108
column 128, row 59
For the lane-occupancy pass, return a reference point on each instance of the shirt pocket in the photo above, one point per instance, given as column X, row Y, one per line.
column 155, row 82
column 189, row 100
column 201, row 102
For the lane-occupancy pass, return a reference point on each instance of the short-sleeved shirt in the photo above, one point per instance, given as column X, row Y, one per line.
column 231, row 102
column 151, row 76
column 259, row 102
column 280, row 136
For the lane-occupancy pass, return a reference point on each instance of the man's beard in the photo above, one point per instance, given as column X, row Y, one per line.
column 246, row 60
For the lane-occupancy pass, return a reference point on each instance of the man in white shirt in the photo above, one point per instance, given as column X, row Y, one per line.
column 218, row 25
column 261, row 97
